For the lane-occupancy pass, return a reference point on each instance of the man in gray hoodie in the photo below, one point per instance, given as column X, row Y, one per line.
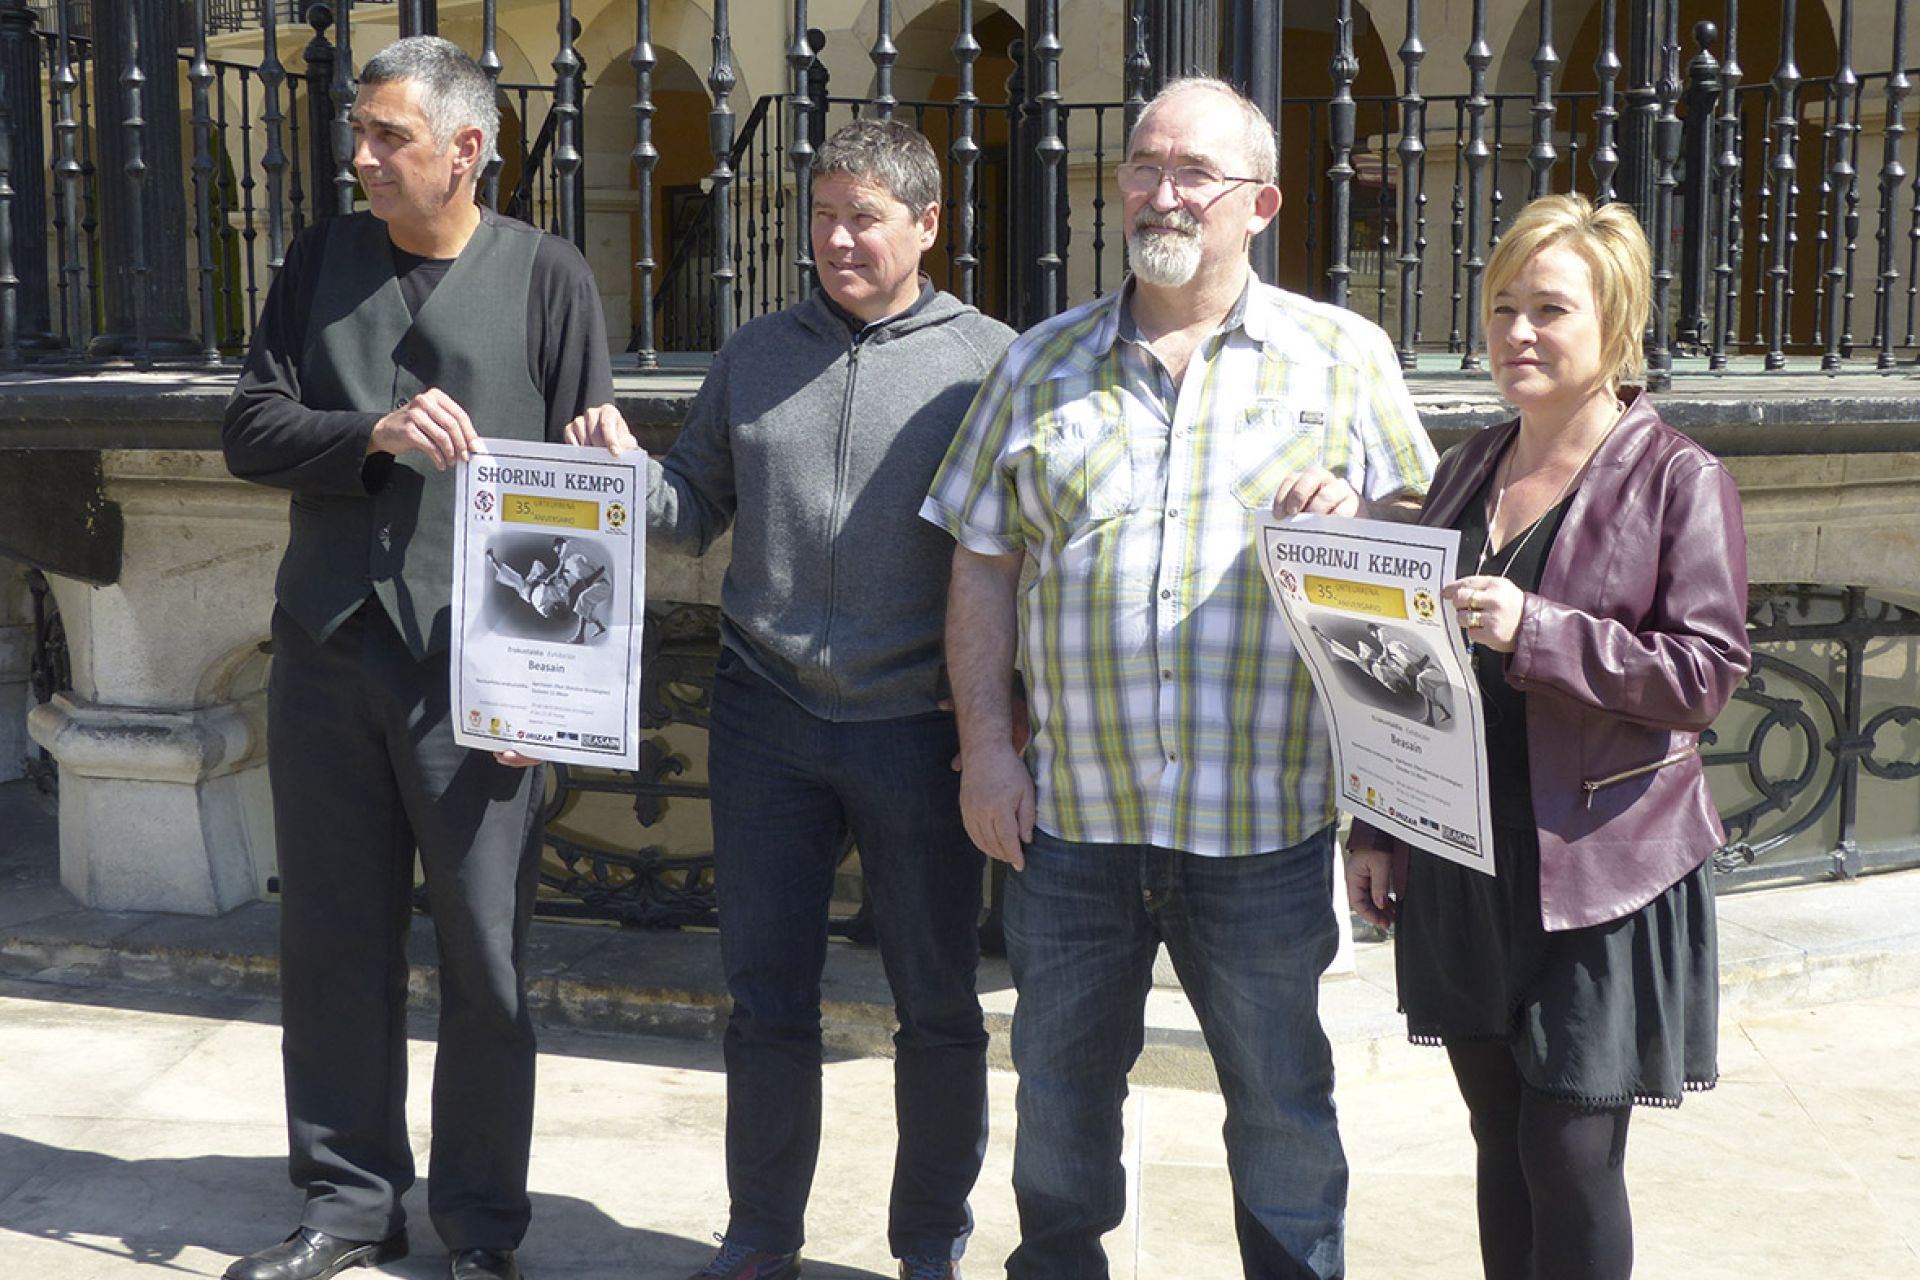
column 814, row 437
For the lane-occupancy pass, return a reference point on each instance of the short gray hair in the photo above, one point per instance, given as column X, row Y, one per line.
column 1262, row 145
column 887, row 153
column 455, row 93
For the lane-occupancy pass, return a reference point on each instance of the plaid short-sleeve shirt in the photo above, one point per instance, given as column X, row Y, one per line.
column 1168, row 705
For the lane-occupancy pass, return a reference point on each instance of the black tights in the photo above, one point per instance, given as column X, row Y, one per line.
column 1552, row 1175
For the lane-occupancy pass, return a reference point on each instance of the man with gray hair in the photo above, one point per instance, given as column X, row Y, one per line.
column 391, row 341
column 813, row 437
column 1176, row 790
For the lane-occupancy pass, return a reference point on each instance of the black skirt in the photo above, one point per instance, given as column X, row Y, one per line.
column 1615, row 1013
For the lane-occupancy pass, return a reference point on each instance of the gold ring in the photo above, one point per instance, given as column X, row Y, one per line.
column 1473, row 619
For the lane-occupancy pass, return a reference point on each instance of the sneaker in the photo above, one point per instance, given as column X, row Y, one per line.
column 929, row 1269
column 737, row 1262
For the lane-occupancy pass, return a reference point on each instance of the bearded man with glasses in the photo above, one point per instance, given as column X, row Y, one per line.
column 1176, row 788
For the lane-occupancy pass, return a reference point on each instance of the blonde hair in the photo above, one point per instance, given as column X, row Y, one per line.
column 1609, row 240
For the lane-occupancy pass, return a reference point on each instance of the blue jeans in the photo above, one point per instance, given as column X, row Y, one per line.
column 1249, row 938
column 789, row 790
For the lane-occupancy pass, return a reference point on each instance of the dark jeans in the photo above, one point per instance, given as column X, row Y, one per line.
column 789, row 790
column 364, row 770
column 1249, row 938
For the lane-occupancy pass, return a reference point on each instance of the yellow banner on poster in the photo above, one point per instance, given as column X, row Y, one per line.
column 555, row 513
column 1371, row 598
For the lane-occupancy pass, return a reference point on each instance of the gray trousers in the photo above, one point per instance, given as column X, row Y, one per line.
column 364, row 771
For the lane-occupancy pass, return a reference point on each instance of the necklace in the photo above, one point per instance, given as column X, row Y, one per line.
column 1514, row 547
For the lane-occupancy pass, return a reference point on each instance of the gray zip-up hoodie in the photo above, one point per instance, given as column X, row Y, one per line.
column 818, row 447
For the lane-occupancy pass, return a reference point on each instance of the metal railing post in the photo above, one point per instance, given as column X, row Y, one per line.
column 319, row 58
column 142, row 201
column 27, row 176
column 1703, row 96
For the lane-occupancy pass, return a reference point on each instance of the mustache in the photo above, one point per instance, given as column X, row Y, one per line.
column 1173, row 220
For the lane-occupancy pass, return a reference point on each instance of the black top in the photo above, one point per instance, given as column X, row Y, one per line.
column 564, row 325
column 1504, row 708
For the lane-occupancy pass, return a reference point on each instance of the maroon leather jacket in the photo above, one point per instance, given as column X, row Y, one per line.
column 1634, row 643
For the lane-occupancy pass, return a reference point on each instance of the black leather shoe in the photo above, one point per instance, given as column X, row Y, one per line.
column 483, row 1264
column 308, row 1254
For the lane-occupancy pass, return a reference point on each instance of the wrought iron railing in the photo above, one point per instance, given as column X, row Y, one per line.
column 1829, row 711
column 1783, row 201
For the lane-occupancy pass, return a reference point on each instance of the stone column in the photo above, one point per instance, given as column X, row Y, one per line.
column 162, row 741
column 142, row 250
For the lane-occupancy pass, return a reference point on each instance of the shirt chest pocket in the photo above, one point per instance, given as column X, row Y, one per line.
column 1083, row 457
column 1275, row 437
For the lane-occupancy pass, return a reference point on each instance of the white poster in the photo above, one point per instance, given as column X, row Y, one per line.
column 548, row 598
column 1361, row 599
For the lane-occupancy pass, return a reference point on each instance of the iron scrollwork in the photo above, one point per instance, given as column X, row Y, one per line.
column 649, row 886
column 1802, row 757
column 49, row 671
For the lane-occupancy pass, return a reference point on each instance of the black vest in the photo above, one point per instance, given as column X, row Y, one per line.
column 365, row 352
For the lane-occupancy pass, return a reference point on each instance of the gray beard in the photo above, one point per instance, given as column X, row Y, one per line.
column 1165, row 261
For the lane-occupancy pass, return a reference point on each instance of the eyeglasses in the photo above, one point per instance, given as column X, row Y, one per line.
column 1138, row 178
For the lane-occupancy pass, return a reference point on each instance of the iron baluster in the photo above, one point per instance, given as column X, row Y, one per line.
column 9, row 278
column 1727, row 174
column 1605, row 160
column 1823, row 233
column 73, row 312
column 566, row 110
column 1702, row 94
column 1478, row 58
column 720, row 81
column 778, row 272
column 645, row 157
column 1340, row 126
column 1456, row 229
column 1786, row 86
column 1541, row 155
column 320, row 57
column 884, row 55
column 1420, row 237
column 1052, row 152
column 296, row 189
column 1891, row 174
column 249, row 235
column 1850, row 225
column 800, row 146
column 134, row 126
column 342, row 125
column 1666, row 149
column 1497, row 198
column 1099, row 195
column 1410, row 149
column 224, row 199
column 966, row 157
column 490, row 63
column 273, row 161
column 1383, row 215
column 764, row 179
column 200, row 75
column 89, row 190
column 1841, row 179
column 1139, row 70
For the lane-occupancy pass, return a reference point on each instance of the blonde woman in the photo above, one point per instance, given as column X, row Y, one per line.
column 1603, row 585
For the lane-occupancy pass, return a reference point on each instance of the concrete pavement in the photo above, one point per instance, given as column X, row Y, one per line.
column 141, row 1124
